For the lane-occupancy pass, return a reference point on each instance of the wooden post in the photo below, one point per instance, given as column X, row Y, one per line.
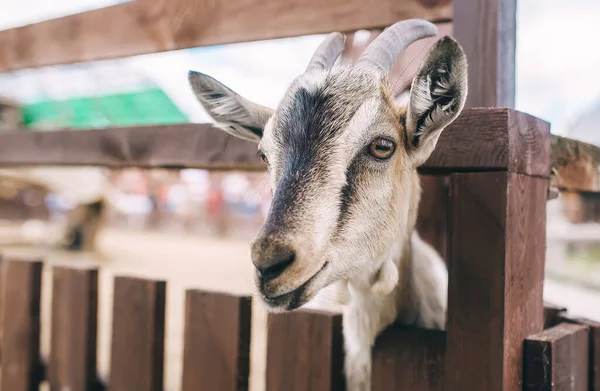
column 409, row 359
column 432, row 222
column 305, row 352
column 21, row 369
column 594, row 348
column 137, row 349
column 557, row 359
column 486, row 29
column 72, row 363
column 217, row 341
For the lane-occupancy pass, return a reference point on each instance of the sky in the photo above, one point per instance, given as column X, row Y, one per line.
column 557, row 56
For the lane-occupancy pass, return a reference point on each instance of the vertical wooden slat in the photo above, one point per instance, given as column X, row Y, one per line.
column 552, row 314
column 72, row 363
column 594, row 348
column 21, row 370
column 496, row 269
column 137, row 348
column 486, row 29
column 557, row 359
column 217, row 341
column 432, row 221
column 305, row 352
column 409, row 359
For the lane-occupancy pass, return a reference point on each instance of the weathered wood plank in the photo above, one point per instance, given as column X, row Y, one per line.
column 552, row 314
column 216, row 353
column 432, row 221
column 146, row 26
column 72, row 364
column 305, row 352
column 480, row 139
column 138, row 333
column 486, row 29
column 594, row 348
column 409, row 359
column 21, row 369
column 557, row 359
column 497, row 246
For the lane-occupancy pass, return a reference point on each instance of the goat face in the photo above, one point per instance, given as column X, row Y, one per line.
column 342, row 158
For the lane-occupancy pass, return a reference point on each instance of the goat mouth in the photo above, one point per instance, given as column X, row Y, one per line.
column 293, row 299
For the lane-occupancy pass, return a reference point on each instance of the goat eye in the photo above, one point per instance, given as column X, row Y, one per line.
column 381, row 148
column 264, row 158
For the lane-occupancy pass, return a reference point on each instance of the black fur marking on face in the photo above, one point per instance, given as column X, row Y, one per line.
column 348, row 194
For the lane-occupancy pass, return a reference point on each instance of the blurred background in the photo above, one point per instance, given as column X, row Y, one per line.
column 192, row 226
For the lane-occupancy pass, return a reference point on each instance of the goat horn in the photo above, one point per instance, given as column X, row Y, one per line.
column 327, row 52
column 385, row 49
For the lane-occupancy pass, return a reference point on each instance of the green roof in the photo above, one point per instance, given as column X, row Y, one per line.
column 146, row 107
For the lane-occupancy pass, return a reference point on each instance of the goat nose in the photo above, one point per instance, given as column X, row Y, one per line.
column 272, row 261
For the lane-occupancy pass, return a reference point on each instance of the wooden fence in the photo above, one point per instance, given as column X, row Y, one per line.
column 484, row 209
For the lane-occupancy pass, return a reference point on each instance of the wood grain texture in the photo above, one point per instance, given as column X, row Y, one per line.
column 552, row 314
column 486, row 29
column 479, row 140
column 217, row 341
column 21, row 369
column 496, row 268
column 432, row 221
column 409, row 359
column 305, row 352
column 594, row 348
column 138, row 333
column 150, row 26
column 575, row 165
column 557, row 359
column 72, row 364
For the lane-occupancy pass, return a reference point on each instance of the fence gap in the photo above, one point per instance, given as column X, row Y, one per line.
column 21, row 368
column 72, row 364
column 409, row 359
column 557, row 359
column 137, row 348
column 305, row 351
column 216, row 341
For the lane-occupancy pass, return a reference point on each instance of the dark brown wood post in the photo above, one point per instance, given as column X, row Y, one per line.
column 216, row 349
column 137, row 349
column 21, row 369
column 557, row 359
column 305, row 352
column 486, row 29
column 72, row 363
column 594, row 348
column 432, row 221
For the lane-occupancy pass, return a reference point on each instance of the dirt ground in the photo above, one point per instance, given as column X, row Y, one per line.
column 184, row 261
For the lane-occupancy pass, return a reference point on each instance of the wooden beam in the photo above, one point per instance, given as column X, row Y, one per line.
column 150, row 26
column 21, row 369
column 138, row 334
column 497, row 246
column 216, row 325
column 557, row 359
column 305, row 351
column 486, row 29
column 409, row 359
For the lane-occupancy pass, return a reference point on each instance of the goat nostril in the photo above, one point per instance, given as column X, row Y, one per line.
column 275, row 267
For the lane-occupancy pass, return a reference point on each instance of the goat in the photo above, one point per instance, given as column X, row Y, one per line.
column 342, row 161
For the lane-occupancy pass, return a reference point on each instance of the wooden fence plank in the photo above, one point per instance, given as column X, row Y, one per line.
column 217, row 341
column 432, row 221
column 149, row 26
column 137, row 348
column 486, row 29
column 552, row 314
column 305, row 352
column 557, row 359
column 594, row 348
column 72, row 364
column 497, row 246
column 409, row 359
column 21, row 369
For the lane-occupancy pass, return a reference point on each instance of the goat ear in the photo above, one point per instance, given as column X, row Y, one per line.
column 437, row 97
column 232, row 113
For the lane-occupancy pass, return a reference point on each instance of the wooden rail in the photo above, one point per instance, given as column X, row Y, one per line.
column 151, row 26
column 575, row 165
